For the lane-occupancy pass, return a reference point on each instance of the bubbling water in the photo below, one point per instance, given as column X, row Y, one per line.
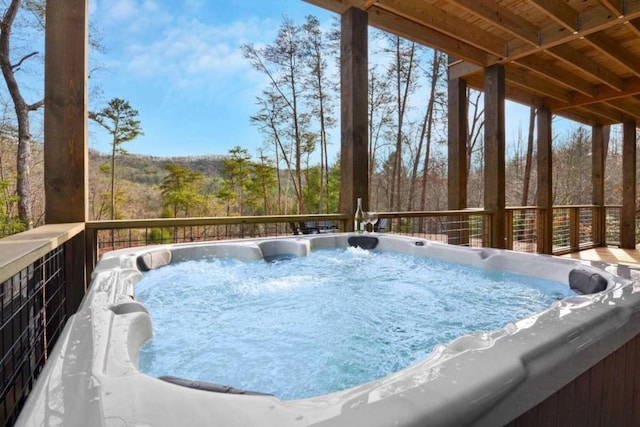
column 337, row 318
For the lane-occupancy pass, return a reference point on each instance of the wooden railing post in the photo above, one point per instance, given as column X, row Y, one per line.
column 628, row 213
column 91, row 250
column 574, row 228
column 597, row 183
column 545, row 188
column 486, row 229
column 544, row 236
column 74, row 267
column 509, row 229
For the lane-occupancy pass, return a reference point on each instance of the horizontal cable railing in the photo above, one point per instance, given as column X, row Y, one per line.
column 104, row 236
column 468, row 227
column 522, row 223
column 464, row 227
column 575, row 227
column 612, row 225
column 37, row 295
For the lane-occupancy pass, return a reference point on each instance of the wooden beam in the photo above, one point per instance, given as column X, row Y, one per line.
column 525, row 97
column 578, row 60
column 559, row 76
column 540, row 86
column 354, row 157
column 580, row 117
column 631, row 86
column 615, row 6
column 627, row 107
column 494, row 140
column 598, row 155
column 65, row 115
column 513, row 93
column 491, row 12
column 634, row 25
column 614, row 51
column 560, row 12
column 336, row 6
column 592, row 20
column 365, row 4
column 437, row 19
column 392, row 23
column 606, row 113
column 544, row 195
column 461, row 69
column 628, row 214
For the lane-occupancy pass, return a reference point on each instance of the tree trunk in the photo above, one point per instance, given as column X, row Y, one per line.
column 402, row 97
column 113, row 180
column 435, row 75
column 22, row 114
column 529, row 159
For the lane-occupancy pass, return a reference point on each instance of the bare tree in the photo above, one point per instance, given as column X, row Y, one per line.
column 476, row 124
column 529, row 158
column 282, row 63
column 426, row 134
column 380, row 99
column 402, row 74
column 22, row 108
column 316, row 48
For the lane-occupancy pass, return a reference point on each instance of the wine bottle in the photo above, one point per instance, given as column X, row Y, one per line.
column 358, row 218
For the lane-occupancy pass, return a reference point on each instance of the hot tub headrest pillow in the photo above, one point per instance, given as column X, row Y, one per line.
column 586, row 282
column 363, row 242
column 154, row 259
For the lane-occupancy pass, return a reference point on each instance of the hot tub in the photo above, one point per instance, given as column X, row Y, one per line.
column 92, row 376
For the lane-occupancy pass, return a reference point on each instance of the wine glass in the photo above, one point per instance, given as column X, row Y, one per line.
column 372, row 218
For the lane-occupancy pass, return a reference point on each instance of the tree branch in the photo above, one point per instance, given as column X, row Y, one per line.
column 24, row 58
column 35, row 105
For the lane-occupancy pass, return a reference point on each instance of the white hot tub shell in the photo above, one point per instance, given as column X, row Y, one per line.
column 488, row 379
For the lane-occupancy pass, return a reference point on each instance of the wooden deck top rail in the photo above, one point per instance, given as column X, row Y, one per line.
column 19, row 251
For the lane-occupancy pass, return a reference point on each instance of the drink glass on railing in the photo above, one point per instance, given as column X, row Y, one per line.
column 372, row 218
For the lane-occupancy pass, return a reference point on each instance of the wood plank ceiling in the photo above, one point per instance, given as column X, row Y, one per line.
column 580, row 58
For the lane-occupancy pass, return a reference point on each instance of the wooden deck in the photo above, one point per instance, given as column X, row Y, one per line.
column 611, row 255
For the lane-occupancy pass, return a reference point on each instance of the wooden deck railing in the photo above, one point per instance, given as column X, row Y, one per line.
column 465, row 227
column 575, row 227
column 41, row 285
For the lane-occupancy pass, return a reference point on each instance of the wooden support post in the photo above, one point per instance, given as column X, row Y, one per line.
column 494, row 162
column 545, row 188
column 598, row 155
column 354, row 157
column 65, row 131
column 628, row 216
column 65, row 115
column 457, row 159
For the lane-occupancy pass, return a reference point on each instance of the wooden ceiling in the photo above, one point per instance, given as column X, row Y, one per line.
column 580, row 58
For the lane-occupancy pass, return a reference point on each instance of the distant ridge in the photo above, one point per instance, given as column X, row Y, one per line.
column 149, row 170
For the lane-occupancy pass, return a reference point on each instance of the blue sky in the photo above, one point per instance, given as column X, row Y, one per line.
column 178, row 62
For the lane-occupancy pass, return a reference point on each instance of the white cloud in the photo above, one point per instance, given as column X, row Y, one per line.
column 195, row 54
column 122, row 9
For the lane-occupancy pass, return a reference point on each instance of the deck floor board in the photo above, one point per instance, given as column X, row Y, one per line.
column 611, row 255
